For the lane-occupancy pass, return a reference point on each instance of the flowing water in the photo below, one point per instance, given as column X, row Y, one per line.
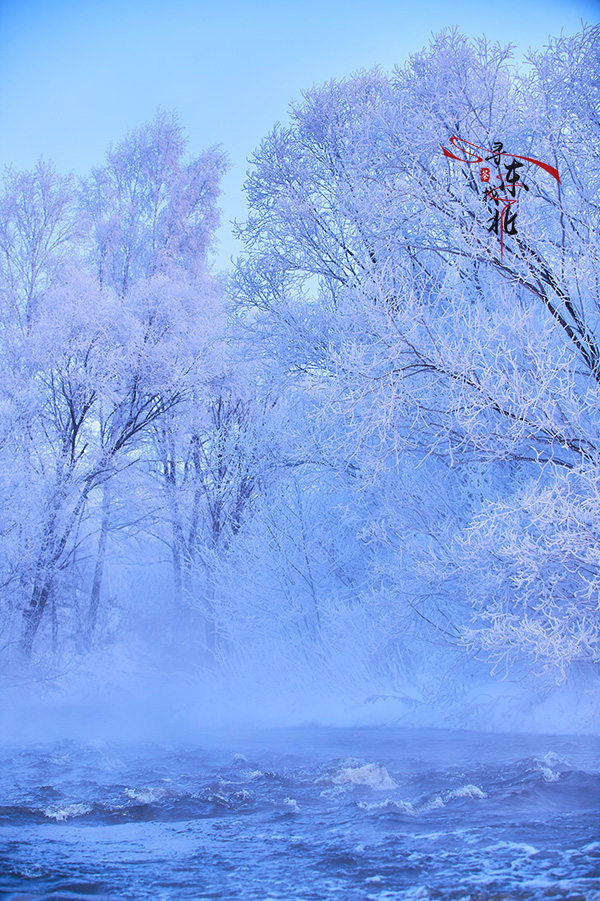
column 303, row 815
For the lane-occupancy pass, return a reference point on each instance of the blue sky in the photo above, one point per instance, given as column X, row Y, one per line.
column 75, row 76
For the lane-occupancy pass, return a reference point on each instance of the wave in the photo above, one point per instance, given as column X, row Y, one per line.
column 144, row 804
column 433, row 802
column 68, row 812
column 371, row 775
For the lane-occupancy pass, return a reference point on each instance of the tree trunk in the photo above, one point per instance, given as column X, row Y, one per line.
column 32, row 615
column 51, row 551
column 92, row 614
column 178, row 541
column 42, row 585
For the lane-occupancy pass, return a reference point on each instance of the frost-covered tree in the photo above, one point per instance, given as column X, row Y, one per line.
column 211, row 456
column 373, row 266
column 103, row 372
column 152, row 210
column 113, row 349
column 39, row 229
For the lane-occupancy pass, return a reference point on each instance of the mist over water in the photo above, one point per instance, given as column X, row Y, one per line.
column 153, row 784
column 124, row 697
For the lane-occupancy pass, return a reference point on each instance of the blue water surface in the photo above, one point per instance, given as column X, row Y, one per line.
column 371, row 814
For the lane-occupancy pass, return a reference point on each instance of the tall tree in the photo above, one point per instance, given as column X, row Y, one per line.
column 111, row 350
column 152, row 210
column 439, row 325
column 39, row 228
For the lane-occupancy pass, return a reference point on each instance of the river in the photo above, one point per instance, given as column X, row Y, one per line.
column 303, row 814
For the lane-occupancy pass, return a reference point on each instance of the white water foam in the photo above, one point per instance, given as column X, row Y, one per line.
column 373, row 775
column 435, row 802
column 61, row 814
column 145, row 795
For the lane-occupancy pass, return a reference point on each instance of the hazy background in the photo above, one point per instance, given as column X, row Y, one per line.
column 76, row 76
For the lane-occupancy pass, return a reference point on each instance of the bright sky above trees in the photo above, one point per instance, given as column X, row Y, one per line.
column 75, row 77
